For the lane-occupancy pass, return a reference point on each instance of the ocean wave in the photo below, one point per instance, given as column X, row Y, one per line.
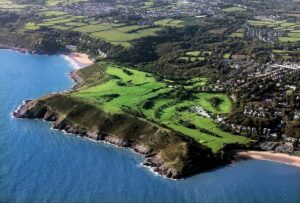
column 72, row 62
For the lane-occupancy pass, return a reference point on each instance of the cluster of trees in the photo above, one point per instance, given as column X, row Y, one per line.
column 7, row 18
column 292, row 129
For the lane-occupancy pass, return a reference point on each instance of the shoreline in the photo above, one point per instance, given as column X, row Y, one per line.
column 14, row 48
column 270, row 156
column 78, row 60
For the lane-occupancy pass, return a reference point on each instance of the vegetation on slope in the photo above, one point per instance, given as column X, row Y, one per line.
column 188, row 111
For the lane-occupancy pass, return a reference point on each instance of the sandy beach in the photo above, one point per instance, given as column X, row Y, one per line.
column 271, row 156
column 78, row 60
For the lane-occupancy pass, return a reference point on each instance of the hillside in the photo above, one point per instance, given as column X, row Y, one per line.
column 128, row 108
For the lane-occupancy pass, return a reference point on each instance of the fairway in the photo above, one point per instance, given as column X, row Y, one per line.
column 139, row 94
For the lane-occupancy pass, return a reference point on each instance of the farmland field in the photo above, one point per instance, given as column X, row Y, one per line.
column 8, row 5
column 138, row 93
column 57, row 20
column 96, row 27
column 55, row 2
column 238, row 33
column 192, row 56
column 291, row 28
column 123, row 35
column 52, row 13
column 233, row 9
column 169, row 22
column 289, row 39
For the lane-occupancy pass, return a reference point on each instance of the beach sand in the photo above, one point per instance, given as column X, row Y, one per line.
column 271, row 156
column 78, row 60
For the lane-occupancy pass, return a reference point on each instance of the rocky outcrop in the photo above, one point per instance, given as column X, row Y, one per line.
column 166, row 152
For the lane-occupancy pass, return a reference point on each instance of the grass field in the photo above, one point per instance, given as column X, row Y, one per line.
column 141, row 95
column 233, row 9
column 193, row 53
column 238, row 33
column 50, row 13
column 117, row 34
column 8, row 5
column 192, row 56
column 289, row 39
column 169, row 22
column 123, row 35
column 57, row 20
column 226, row 56
column 292, row 28
column 276, row 51
column 55, row 2
column 96, row 27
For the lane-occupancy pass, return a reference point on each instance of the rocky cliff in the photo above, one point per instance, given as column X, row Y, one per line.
column 167, row 153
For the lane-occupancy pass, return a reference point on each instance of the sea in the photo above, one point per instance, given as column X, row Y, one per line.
column 38, row 164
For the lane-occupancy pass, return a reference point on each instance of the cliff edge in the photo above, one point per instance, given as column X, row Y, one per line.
column 167, row 153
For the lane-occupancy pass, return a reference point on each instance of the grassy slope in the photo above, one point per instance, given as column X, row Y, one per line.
column 128, row 90
column 177, row 156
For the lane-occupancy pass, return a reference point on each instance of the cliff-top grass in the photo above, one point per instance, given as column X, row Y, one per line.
column 141, row 95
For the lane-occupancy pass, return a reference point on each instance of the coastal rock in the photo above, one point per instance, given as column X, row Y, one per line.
column 92, row 135
column 142, row 149
column 116, row 141
column 167, row 153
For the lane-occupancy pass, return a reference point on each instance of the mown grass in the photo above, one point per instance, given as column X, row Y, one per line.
column 129, row 90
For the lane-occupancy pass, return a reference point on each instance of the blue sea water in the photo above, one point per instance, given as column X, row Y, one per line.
column 38, row 164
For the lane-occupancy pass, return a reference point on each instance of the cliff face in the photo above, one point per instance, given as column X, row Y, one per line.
column 168, row 153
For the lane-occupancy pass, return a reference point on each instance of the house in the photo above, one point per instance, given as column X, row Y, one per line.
column 71, row 47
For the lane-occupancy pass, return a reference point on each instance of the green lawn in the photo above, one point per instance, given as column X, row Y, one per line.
column 130, row 90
